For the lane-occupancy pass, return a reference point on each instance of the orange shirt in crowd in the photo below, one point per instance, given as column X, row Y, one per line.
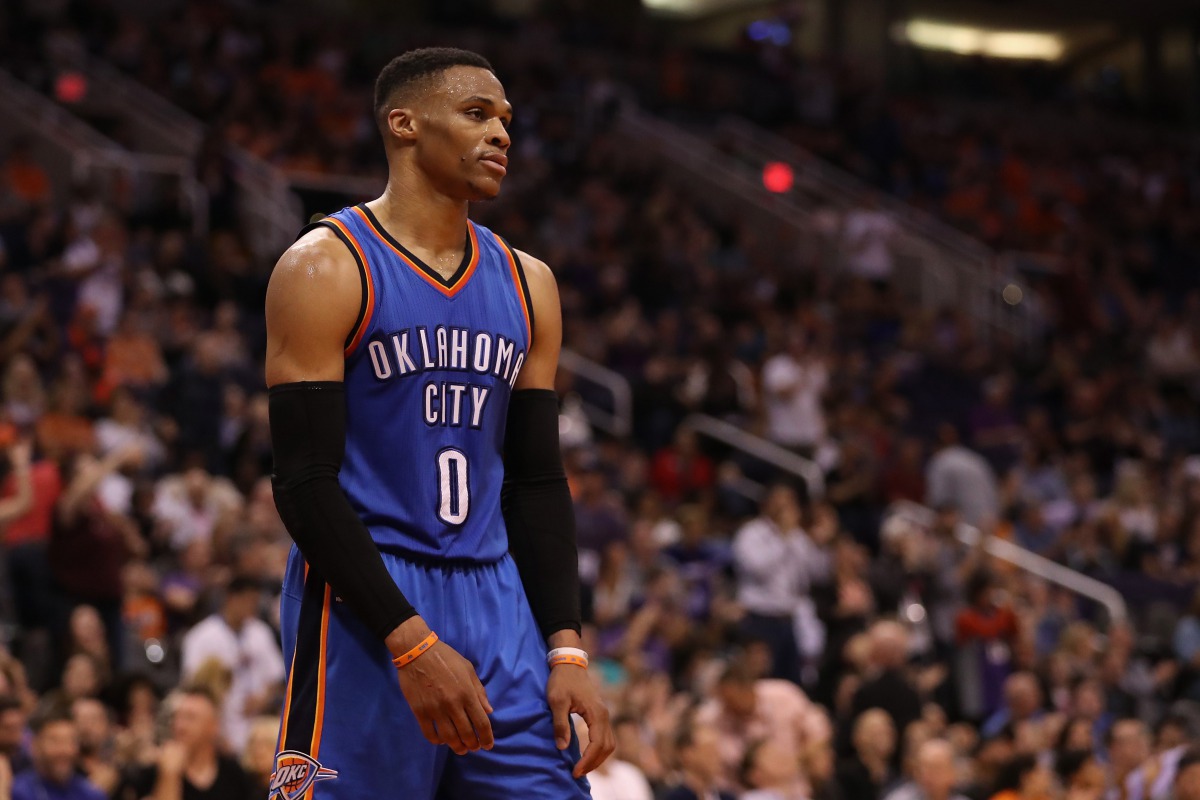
column 28, row 181
column 145, row 617
column 133, row 360
column 60, row 434
column 1000, row 623
column 34, row 525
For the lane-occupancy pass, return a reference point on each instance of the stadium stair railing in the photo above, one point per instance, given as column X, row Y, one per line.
column 1051, row 571
column 271, row 213
column 936, row 266
column 614, row 418
column 71, row 150
column 712, row 183
column 759, row 449
column 913, row 513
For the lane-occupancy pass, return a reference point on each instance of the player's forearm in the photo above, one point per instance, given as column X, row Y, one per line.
column 308, row 433
column 565, row 638
column 541, row 538
column 539, row 514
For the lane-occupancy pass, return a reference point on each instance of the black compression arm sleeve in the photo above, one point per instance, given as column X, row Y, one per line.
column 538, row 511
column 308, row 434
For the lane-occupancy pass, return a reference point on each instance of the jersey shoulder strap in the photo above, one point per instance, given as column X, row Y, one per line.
column 366, row 306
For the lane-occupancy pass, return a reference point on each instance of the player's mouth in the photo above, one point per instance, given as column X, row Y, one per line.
column 496, row 162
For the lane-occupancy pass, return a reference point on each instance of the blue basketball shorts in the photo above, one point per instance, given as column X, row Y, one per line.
column 347, row 733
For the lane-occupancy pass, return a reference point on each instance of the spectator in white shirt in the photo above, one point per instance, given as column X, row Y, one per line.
column 867, row 236
column 776, row 562
column 245, row 646
column 193, row 505
column 793, row 383
column 126, row 426
column 934, row 774
column 614, row 779
column 962, row 479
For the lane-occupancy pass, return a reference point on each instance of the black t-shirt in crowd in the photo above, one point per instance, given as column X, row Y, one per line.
column 232, row 783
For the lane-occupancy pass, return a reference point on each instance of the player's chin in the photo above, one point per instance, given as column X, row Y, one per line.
column 487, row 188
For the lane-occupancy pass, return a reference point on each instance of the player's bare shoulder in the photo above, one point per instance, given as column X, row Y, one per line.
column 538, row 274
column 540, row 366
column 313, row 299
column 317, row 266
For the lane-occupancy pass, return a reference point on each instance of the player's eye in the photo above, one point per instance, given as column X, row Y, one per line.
column 475, row 113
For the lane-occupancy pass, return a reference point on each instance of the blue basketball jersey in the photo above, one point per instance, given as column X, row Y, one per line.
column 430, row 366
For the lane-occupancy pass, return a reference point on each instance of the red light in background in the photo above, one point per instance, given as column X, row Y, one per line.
column 778, row 177
column 70, row 87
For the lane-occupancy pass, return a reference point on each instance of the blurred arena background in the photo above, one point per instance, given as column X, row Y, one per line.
column 879, row 389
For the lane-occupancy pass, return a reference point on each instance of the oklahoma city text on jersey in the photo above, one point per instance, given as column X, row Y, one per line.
column 413, row 351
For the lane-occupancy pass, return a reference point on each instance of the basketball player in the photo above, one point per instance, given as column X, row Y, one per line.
column 432, row 631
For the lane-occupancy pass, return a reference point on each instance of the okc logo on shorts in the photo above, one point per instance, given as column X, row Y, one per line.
column 294, row 773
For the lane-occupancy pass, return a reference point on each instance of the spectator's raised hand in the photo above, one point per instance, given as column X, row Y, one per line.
column 21, row 454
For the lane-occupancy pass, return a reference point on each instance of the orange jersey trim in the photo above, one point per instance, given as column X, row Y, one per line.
column 318, row 724
column 287, row 706
column 287, row 698
column 516, row 276
column 448, row 291
column 370, row 288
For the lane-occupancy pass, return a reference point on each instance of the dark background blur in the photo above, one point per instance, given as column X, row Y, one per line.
column 880, row 377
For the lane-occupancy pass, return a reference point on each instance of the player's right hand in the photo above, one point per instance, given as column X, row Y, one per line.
column 444, row 692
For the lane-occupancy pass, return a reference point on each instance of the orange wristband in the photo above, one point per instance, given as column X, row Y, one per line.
column 565, row 659
column 412, row 655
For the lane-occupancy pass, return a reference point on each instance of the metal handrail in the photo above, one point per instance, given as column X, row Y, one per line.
column 952, row 268
column 174, row 128
column 1018, row 556
column 619, row 421
column 87, row 148
column 760, row 448
column 701, row 159
column 850, row 190
column 270, row 211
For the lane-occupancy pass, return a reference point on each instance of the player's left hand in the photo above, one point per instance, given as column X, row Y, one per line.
column 568, row 691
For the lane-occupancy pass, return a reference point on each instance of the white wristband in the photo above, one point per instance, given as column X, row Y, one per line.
column 572, row 652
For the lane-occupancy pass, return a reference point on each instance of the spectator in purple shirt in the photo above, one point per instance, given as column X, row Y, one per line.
column 55, row 756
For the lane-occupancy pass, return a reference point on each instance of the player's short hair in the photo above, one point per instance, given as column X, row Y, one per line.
column 411, row 69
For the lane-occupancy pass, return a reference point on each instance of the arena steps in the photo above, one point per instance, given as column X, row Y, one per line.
column 269, row 210
column 935, row 266
column 72, row 151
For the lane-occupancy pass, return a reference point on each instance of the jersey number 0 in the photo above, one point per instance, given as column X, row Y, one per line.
column 454, row 496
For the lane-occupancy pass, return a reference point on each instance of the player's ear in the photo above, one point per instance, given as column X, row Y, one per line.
column 402, row 122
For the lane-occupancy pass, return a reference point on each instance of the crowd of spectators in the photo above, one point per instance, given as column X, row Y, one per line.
column 775, row 647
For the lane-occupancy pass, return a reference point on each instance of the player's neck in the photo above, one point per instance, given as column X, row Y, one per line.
column 421, row 218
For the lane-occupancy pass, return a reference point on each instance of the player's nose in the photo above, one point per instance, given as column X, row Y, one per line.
column 498, row 136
